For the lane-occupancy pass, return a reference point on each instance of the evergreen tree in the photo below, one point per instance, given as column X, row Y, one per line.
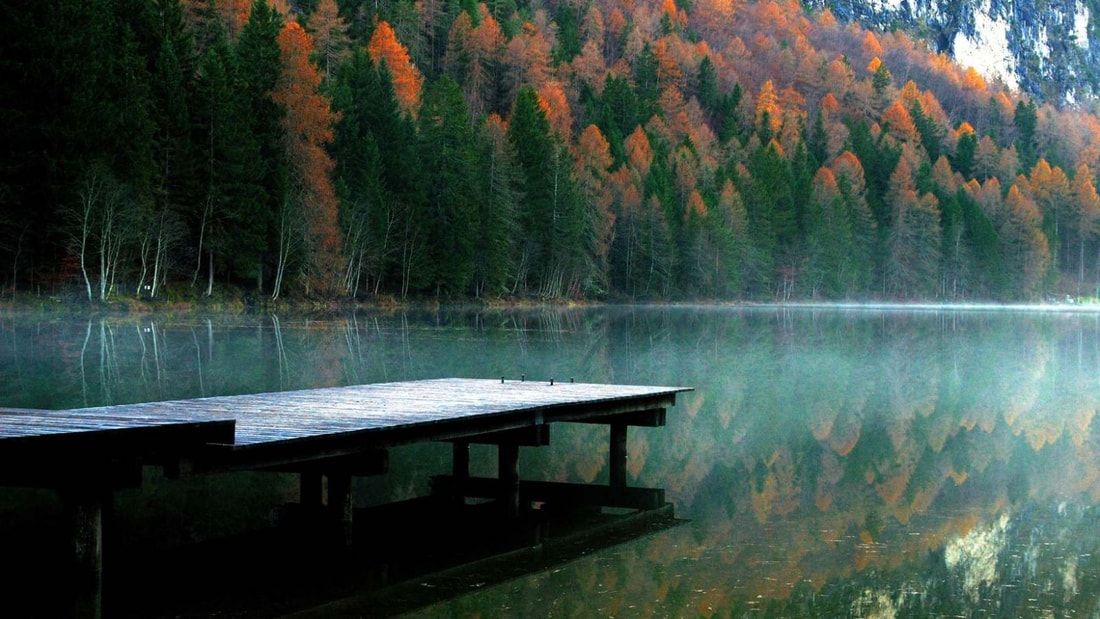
column 227, row 234
column 707, row 87
column 100, row 131
column 879, row 159
column 177, row 183
column 568, row 35
column 619, row 113
column 497, row 233
column 647, row 86
column 452, row 171
column 1026, row 120
column 257, row 56
column 965, row 150
column 914, row 238
column 984, row 276
column 377, row 173
column 830, row 250
column 530, row 137
column 929, row 131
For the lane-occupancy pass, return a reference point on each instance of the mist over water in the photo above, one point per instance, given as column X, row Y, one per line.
column 832, row 461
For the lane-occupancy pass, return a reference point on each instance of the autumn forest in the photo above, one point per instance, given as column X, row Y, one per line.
column 553, row 149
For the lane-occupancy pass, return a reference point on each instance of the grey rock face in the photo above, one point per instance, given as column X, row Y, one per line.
column 1048, row 49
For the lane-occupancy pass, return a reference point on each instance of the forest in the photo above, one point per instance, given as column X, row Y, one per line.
column 524, row 149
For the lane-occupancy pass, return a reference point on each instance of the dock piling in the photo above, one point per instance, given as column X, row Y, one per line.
column 617, row 455
column 86, row 509
column 508, row 473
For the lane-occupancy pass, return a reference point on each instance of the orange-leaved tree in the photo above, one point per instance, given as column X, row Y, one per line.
column 384, row 47
column 1026, row 250
column 330, row 34
column 311, row 200
column 590, row 172
column 1086, row 204
column 913, row 244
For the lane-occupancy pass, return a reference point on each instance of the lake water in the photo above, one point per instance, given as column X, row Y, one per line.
column 830, row 462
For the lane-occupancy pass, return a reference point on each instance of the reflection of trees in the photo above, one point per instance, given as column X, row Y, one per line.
column 848, row 445
column 822, row 453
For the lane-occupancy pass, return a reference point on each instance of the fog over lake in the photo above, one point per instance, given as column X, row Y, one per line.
column 846, row 461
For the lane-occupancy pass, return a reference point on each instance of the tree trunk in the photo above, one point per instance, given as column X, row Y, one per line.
column 210, row 275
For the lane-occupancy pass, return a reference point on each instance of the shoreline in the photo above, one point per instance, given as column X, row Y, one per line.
column 333, row 307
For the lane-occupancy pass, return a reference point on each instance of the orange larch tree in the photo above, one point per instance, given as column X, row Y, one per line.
column 639, row 154
column 1086, row 206
column 407, row 81
column 592, row 164
column 555, row 104
column 1049, row 187
column 590, row 68
column 899, row 123
column 1025, row 247
column 307, row 127
column 486, row 50
column 330, row 35
column 913, row 243
column 851, row 181
column 769, row 116
column 527, row 59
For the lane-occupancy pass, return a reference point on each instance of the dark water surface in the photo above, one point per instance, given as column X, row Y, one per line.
column 834, row 463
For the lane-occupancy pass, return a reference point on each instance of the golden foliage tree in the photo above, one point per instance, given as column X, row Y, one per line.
column 307, row 127
column 407, row 81
column 1086, row 212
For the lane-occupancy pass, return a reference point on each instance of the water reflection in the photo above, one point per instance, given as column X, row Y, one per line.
column 832, row 462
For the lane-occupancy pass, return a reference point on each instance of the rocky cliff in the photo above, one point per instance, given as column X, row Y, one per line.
column 1048, row 49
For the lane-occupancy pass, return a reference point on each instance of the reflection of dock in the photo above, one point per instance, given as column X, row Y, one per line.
column 327, row 436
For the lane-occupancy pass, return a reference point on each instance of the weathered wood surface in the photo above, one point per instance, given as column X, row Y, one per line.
column 342, row 419
column 91, row 431
column 386, row 407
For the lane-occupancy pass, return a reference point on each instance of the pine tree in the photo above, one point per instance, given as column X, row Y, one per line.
column 914, row 241
column 985, row 275
column 497, row 233
column 379, row 176
column 1026, row 120
column 452, row 171
column 831, row 256
column 226, row 232
column 176, row 178
column 529, row 135
column 259, row 63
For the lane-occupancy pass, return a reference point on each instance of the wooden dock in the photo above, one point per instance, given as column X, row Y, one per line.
column 334, row 433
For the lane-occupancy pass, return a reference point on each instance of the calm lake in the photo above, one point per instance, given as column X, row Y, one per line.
column 830, row 462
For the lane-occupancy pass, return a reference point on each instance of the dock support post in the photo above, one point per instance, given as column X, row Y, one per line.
column 86, row 513
column 460, row 470
column 617, row 457
column 460, row 460
column 341, row 506
column 508, row 472
column 309, row 489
